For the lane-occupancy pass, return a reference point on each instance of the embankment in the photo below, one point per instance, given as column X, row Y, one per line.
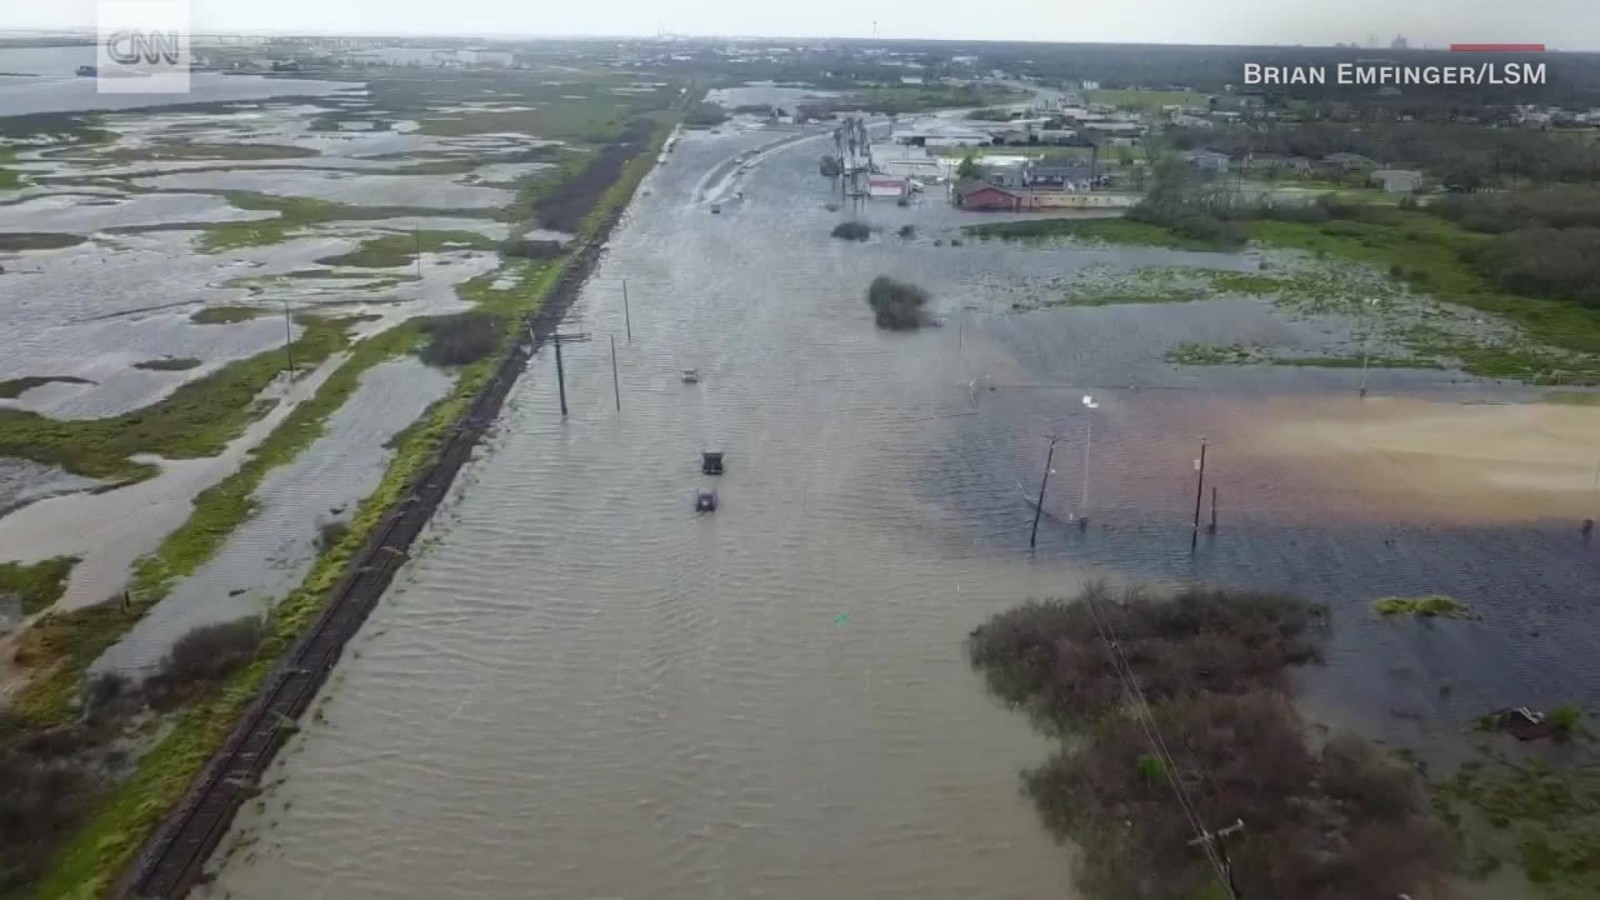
column 171, row 861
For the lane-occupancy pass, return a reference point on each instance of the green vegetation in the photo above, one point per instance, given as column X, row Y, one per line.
column 226, row 315
column 1117, row 231
column 16, row 387
column 198, row 419
column 1341, row 820
column 63, row 644
column 295, row 216
column 1146, row 101
column 1564, row 721
column 195, row 150
column 910, row 98
column 10, row 179
column 391, row 250
column 37, row 587
column 18, row 241
column 1543, row 819
column 1195, row 354
column 168, row 364
column 1429, row 606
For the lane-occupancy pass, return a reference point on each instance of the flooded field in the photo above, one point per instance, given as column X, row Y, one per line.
column 596, row 693
column 269, row 555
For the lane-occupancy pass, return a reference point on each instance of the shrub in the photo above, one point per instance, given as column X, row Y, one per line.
column 212, row 652
column 896, row 305
column 908, row 231
column 330, row 534
column 526, row 248
column 461, row 339
column 1345, row 822
column 1564, row 720
column 852, row 231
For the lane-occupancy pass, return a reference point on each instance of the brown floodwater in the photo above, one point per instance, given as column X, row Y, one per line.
column 580, row 689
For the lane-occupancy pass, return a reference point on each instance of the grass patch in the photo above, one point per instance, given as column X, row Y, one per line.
column 1427, row 607
column 16, row 387
column 1195, row 354
column 38, row 240
column 1111, row 231
column 168, row 364
column 37, row 586
column 393, row 250
column 198, row 419
column 1541, row 818
column 1150, row 101
column 226, row 315
column 295, row 215
column 197, row 150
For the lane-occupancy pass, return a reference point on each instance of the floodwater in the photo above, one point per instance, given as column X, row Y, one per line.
column 108, row 531
column 43, row 80
column 585, row 690
column 579, row 688
column 269, row 555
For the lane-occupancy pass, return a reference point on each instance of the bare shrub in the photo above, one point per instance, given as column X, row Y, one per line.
column 896, row 305
column 212, row 652
column 852, row 231
column 460, row 339
column 1345, row 822
column 330, row 534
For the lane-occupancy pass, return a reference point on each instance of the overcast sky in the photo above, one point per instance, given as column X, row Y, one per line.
column 1565, row 24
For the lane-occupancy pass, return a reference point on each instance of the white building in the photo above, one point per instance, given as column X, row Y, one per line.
column 499, row 58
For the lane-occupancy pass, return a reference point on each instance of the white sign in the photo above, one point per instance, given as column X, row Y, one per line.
column 142, row 46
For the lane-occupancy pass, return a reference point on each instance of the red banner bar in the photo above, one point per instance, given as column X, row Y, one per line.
column 1497, row 48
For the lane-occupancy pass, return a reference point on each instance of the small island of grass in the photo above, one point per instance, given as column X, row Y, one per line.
column 1428, row 607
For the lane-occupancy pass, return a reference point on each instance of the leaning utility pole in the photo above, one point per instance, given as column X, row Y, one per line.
column 616, row 387
column 1199, row 491
column 1038, row 507
column 627, row 317
column 561, row 374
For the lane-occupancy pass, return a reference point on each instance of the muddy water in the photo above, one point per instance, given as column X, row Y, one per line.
column 582, row 689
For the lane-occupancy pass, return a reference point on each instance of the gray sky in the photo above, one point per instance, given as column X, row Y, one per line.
column 1564, row 24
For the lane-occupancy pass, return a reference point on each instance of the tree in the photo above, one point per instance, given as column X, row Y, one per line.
column 968, row 168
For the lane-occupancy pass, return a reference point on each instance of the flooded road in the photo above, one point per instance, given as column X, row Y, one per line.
column 582, row 690
column 579, row 689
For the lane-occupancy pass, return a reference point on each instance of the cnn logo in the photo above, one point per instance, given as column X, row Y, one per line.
column 142, row 47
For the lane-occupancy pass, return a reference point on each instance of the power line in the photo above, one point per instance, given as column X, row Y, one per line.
column 1130, row 684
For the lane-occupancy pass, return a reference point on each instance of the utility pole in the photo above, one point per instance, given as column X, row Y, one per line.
column 1199, row 492
column 288, row 337
column 627, row 317
column 1038, row 507
column 616, row 387
column 1214, row 841
column 561, row 374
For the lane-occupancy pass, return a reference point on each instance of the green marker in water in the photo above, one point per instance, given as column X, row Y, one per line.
column 841, row 619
